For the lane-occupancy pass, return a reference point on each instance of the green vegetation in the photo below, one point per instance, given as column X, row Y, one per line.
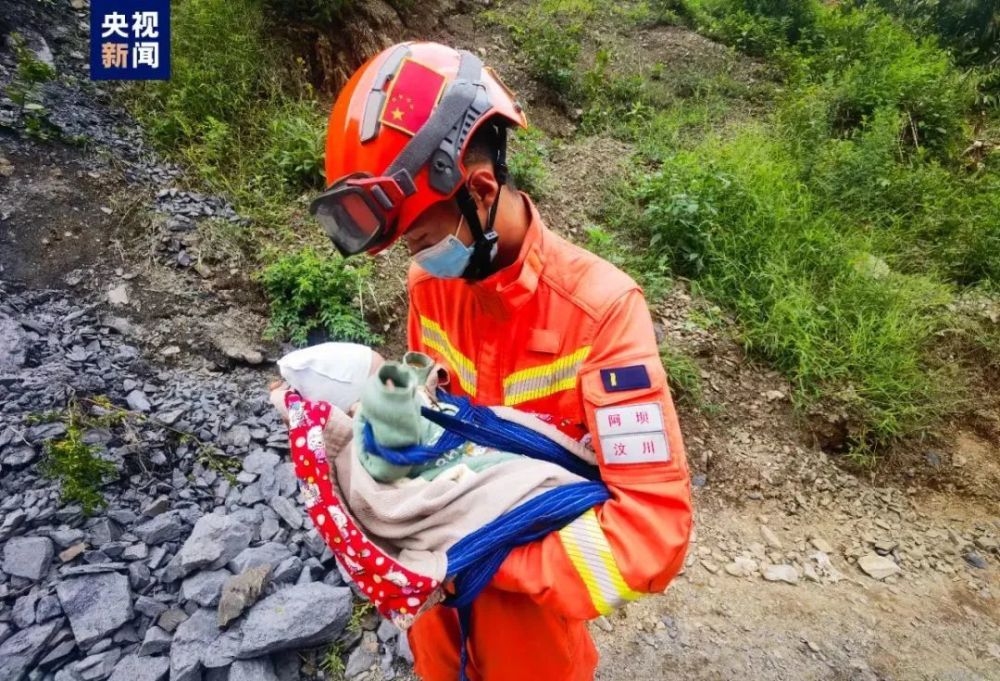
column 29, row 74
column 332, row 664
column 360, row 611
column 528, row 156
column 683, row 375
column 310, row 291
column 241, row 115
column 838, row 227
column 77, row 466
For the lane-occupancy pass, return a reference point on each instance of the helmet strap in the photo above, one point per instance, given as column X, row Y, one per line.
column 484, row 240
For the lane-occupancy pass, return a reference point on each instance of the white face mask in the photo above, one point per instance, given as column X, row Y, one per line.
column 331, row 372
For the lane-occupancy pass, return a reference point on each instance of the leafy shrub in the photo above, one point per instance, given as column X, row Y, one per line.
column 78, row 468
column 310, row 292
column 552, row 52
column 862, row 61
column 757, row 27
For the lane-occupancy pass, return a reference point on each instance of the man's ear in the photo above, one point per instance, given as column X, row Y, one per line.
column 484, row 187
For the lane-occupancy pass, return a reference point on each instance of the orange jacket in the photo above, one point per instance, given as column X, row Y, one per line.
column 565, row 333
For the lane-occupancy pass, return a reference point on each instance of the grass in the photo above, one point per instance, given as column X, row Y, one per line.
column 332, row 663
column 683, row 375
column 838, row 228
column 241, row 115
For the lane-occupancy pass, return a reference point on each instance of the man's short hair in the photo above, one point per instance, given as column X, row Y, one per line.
column 482, row 148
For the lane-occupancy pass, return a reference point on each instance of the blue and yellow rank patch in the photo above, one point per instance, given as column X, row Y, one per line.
column 625, row 378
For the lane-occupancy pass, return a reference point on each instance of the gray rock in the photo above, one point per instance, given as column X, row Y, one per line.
column 13, row 345
column 102, row 531
column 214, row 542
column 222, row 651
column 975, row 560
column 48, row 607
column 204, row 588
column 242, row 591
column 192, row 639
column 24, row 609
column 11, row 522
column 157, row 506
column 28, row 557
column 387, row 631
column 99, row 666
column 296, row 617
column 18, row 457
column 287, row 665
column 137, row 401
column 20, row 652
column 136, row 552
column 96, row 605
column 781, row 573
column 118, row 295
column 403, row 648
column 253, row 670
column 149, row 607
column 156, row 641
column 66, row 538
column 58, row 655
column 163, row 528
column 259, row 461
column 237, row 436
column 139, row 576
column 171, row 619
column 135, row 668
column 363, row 657
column 287, row 510
column 877, row 567
column 95, row 569
column 271, row 553
column 288, row 571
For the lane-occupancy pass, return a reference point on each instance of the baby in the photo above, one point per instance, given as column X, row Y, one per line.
column 387, row 397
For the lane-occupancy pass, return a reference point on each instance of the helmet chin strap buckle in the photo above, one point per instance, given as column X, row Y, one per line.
column 484, row 247
column 484, row 242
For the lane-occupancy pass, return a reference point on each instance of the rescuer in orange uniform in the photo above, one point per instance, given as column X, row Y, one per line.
column 521, row 317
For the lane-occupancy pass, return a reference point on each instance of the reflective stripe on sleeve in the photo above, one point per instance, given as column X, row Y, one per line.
column 433, row 336
column 590, row 553
column 542, row 381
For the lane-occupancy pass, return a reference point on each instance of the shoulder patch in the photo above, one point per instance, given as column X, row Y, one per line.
column 625, row 378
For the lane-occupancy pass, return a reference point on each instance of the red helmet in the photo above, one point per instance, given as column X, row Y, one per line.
column 396, row 137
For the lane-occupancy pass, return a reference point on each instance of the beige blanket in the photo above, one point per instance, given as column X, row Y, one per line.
column 415, row 521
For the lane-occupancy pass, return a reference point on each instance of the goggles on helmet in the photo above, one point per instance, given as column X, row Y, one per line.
column 359, row 211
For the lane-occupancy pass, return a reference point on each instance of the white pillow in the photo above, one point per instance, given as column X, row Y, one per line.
column 331, row 372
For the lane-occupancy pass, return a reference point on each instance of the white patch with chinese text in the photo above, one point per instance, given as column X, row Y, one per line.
column 632, row 418
column 636, row 448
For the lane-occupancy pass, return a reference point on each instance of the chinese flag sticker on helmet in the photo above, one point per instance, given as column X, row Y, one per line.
column 412, row 96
